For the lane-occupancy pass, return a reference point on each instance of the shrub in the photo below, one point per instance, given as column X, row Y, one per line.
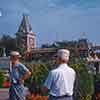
column 84, row 81
column 1, row 52
column 1, row 78
column 39, row 74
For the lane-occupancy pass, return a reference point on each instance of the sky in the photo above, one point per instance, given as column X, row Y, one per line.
column 53, row 20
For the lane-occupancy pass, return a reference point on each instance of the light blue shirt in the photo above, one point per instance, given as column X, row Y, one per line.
column 17, row 71
column 60, row 81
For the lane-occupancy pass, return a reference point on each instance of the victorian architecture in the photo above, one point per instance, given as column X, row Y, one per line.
column 25, row 36
column 26, row 40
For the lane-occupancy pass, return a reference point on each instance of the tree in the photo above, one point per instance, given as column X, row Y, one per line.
column 8, row 42
column 1, row 52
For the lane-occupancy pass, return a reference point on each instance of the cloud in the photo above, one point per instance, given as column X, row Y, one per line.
column 58, row 19
column 0, row 13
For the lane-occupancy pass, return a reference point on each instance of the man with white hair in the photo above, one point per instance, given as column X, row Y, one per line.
column 60, row 81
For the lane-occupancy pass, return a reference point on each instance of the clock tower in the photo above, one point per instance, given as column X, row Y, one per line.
column 25, row 37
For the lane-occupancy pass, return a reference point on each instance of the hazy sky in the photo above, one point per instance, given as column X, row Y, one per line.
column 53, row 20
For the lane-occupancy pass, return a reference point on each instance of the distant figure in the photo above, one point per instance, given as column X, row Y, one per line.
column 18, row 73
column 93, row 61
column 60, row 81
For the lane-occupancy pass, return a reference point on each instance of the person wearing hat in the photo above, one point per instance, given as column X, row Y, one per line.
column 18, row 73
column 60, row 81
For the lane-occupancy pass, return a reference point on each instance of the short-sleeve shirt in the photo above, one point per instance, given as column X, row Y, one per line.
column 60, row 81
column 17, row 71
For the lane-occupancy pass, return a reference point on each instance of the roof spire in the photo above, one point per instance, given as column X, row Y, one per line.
column 25, row 25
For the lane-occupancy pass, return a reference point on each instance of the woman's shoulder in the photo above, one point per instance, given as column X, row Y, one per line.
column 20, row 64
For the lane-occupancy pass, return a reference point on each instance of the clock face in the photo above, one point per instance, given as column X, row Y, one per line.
column 30, row 42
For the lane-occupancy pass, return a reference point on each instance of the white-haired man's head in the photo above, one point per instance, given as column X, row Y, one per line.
column 63, row 55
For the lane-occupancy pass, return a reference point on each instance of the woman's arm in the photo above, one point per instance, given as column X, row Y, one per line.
column 24, row 77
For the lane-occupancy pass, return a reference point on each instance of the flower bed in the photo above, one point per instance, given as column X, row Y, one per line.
column 6, row 84
column 36, row 97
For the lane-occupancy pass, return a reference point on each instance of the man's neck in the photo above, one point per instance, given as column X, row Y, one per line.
column 62, row 63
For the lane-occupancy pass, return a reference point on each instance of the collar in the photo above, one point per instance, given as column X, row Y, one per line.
column 64, row 65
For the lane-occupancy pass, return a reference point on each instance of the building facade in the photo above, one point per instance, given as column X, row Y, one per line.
column 25, row 37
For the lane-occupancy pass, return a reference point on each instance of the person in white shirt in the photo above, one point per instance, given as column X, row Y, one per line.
column 60, row 81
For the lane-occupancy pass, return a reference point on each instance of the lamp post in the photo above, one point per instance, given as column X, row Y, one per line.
column 4, row 52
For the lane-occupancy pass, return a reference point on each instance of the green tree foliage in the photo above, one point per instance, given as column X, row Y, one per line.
column 61, row 44
column 84, row 80
column 8, row 42
column 39, row 74
column 1, row 52
column 1, row 78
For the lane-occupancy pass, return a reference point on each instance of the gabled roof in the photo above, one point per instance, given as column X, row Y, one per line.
column 25, row 26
